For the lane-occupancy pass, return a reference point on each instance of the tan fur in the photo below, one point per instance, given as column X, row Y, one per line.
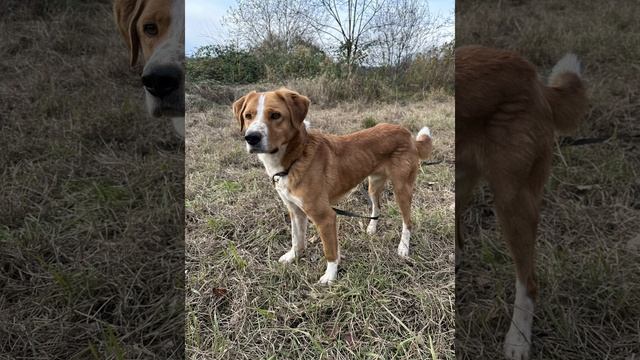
column 324, row 167
column 130, row 17
column 424, row 146
column 505, row 123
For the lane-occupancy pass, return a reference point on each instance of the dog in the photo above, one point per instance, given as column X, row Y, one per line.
column 311, row 171
column 506, row 119
column 155, row 29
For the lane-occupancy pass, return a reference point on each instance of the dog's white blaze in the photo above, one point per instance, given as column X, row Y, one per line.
column 260, row 111
column 261, row 127
column 518, row 339
column 403, row 246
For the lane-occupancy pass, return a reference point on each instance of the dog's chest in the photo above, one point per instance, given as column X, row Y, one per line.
column 273, row 166
column 283, row 190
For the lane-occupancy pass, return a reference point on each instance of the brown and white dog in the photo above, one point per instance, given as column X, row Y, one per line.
column 155, row 28
column 312, row 171
column 505, row 124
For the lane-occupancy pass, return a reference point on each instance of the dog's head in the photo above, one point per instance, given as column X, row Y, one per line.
column 271, row 119
column 155, row 30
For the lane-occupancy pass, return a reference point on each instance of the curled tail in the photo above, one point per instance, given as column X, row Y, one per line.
column 566, row 94
column 423, row 143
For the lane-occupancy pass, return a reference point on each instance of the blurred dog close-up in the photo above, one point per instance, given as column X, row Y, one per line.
column 155, row 30
column 312, row 171
column 506, row 120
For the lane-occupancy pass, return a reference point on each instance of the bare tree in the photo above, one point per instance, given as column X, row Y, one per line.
column 350, row 23
column 374, row 32
column 402, row 29
column 256, row 22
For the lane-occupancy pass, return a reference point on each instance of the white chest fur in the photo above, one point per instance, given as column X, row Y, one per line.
column 273, row 165
column 282, row 186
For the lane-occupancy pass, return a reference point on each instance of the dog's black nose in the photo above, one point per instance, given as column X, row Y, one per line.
column 253, row 138
column 161, row 81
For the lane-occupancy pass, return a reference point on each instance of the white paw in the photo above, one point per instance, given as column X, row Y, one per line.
column 516, row 346
column 330, row 274
column 403, row 249
column 327, row 279
column 288, row 258
column 373, row 226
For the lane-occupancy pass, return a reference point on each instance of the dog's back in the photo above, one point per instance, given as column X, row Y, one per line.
column 501, row 105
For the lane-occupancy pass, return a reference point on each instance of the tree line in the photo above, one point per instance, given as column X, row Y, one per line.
column 275, row 40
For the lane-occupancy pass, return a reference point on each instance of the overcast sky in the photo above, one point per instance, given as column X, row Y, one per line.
column 204, row 27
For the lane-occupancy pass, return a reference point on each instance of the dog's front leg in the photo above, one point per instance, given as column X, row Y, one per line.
column 298, row 234
column 325, row 221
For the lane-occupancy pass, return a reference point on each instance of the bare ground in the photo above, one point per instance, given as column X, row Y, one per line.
column 242, row 304
column 588, row 260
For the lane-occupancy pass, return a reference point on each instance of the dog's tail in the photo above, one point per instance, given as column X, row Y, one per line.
column 423, row 143
column 566, row 94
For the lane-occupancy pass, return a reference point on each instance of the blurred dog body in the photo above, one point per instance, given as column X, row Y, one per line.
column 506, row 119
column 155, row 29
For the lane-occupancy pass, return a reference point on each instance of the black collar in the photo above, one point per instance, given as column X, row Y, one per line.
column 282, row 173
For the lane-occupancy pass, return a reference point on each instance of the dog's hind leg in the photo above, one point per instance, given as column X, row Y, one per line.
column 466, row 180
column 403, row 191
column 518, row 216
column 517, row 203
column 376, row 185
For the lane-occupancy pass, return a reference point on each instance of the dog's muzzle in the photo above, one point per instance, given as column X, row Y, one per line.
column 161, row 81
column 253, row 138
column 256, row 144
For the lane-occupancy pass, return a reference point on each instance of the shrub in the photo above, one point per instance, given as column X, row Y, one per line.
column 368, row 122
column 226, row 64
column 306, row 68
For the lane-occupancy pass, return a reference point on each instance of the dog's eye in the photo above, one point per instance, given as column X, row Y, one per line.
column 150, row 29
column 275, row 116
column 247, row 116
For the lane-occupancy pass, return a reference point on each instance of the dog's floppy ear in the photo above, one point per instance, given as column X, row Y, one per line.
column 298, row 105
column 126, row 14
column 238, row 109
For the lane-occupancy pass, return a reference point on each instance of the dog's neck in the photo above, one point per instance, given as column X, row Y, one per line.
column 287, row 154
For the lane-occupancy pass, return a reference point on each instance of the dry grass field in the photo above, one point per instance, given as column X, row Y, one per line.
column 242, row 304
column 91, row 221
column 588, row 260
